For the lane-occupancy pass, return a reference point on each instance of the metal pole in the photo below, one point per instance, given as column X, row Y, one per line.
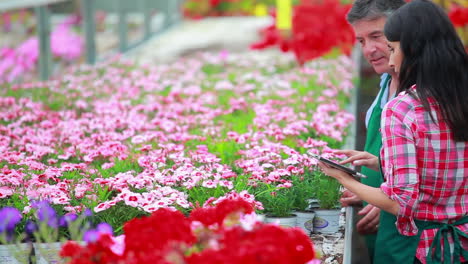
column 349, row 232
column 168, row 14
column 43, row 31
column 147, row 18
column 123, row 28
column 90, row 30
column 174, row 10
column 178, row 10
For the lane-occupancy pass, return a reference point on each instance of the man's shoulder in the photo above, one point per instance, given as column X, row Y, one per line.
column 383, row 80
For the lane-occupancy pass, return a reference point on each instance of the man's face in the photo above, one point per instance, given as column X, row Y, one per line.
column 370, row 35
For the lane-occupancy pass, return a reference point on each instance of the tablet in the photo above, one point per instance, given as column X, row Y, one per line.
column 339, row 166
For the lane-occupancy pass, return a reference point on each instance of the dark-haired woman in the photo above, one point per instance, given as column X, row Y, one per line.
column 424, row 157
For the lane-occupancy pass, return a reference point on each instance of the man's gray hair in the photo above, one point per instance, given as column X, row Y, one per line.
column 372, row 9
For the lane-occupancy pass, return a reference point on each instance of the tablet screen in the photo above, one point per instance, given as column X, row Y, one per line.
column 339, row 166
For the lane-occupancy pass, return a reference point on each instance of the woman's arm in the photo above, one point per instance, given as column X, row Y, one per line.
column 369, row 194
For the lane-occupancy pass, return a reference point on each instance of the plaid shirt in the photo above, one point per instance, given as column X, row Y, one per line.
column 426, row 170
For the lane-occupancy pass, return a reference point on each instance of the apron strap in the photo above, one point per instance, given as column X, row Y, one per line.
column 442, row 233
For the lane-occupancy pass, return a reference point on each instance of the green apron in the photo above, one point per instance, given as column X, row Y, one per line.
column 402, row 249
column 373, row 146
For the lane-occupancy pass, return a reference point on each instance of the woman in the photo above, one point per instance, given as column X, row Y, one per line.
column 425, row 139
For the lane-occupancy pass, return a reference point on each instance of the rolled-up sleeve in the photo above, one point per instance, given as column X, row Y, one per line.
column 399, row 162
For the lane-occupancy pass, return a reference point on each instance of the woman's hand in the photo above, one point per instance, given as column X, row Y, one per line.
column 335, row 173
column 359, row 158
column 371, row 195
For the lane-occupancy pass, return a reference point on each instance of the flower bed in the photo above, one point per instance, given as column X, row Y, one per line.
column 126, row 140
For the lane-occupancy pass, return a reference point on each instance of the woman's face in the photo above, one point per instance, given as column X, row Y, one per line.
column 396, row 56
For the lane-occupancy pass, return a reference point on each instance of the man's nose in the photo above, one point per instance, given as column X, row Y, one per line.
column 369, row 49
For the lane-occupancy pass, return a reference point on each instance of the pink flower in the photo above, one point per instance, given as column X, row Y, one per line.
column 209, row 184
column 107, row 165
column 102, row 207
column 5, row 192
column 118, row 246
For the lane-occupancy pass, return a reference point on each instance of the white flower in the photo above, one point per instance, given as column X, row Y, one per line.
column 248, row 221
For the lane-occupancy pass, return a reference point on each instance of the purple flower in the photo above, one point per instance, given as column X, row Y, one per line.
column 65, row 220
column 93, row 235
column 104, row 228
column 86, row 215
column 30, row 227
column 45, row 213
column 9, row 218
column 87, row 212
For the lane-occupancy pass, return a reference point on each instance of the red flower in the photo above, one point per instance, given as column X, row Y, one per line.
column 165, row 237
column 153, row 237
column 70, row 249
column 216, row 215
column 265, row 244
column 271, row 37
column 98, row 252
column 317, row 27
column 214, row 3
column 459, row 16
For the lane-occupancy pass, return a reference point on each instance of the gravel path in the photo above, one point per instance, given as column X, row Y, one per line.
column 233, row 34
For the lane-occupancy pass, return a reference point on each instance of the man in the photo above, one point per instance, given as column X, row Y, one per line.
column 367, row 18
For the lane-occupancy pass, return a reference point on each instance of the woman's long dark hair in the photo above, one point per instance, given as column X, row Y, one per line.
column 434, row 59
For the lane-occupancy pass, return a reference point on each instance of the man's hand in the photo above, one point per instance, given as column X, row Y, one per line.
column 359, row 158
column 349, row 199
column 369, row 223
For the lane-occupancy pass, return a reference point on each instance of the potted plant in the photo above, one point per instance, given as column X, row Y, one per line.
column 327, row 191
column 12, row 249
column 278, row 203
column 48, row 230
column 303, row 189
column 38, row 236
